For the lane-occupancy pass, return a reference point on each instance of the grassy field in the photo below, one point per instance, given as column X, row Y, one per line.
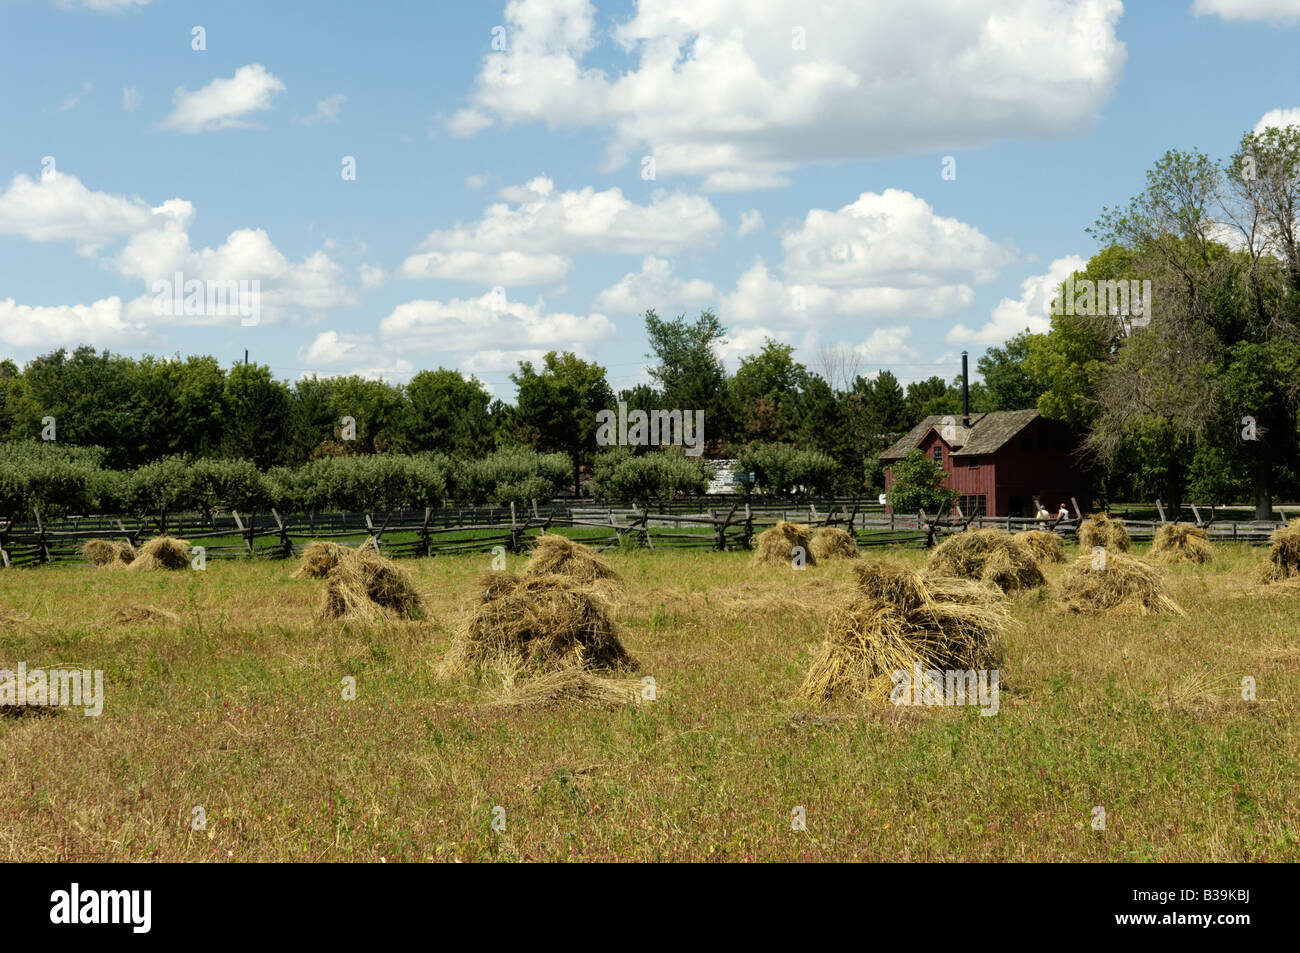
column 235, row 704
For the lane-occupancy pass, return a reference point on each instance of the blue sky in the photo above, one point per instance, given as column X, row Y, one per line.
column 797, row 160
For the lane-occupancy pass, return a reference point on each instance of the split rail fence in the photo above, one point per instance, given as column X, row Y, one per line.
column 708, row 523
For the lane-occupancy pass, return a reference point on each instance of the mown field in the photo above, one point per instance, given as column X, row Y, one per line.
column 234, row 703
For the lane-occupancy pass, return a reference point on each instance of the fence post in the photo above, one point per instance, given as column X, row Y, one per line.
column 41, row 544
column 286, row 547
column 424, row 531
column 1161, row 510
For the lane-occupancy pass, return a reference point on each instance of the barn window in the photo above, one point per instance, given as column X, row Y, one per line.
column 974, row 505
column 938, row 451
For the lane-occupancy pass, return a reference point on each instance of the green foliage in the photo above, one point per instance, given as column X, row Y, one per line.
column 620, row 474
column 783, row 470
column 447, row 413
column 918, row 485
column 511, row 475
column 53, row 479
column 557, row 406
column 1008, row 385
column 689, row 373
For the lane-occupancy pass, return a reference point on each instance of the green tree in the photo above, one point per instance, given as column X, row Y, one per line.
column 256, row 416
column 766, row 391
column 556, row 406
column 919, row 485
column 89, row 395
column 448, row 413
column 1008, row 385
column 379, row 410
column 178, row 407
column 689, row 373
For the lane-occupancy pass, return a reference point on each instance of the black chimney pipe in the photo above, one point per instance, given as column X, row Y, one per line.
column 965, row 392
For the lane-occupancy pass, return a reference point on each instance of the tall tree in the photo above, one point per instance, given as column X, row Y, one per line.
column 766, row 391
column 91, row 398
column 557, row 405
column 690, row 374
column 448, row 413
column 1008, row 385
column 256, row 415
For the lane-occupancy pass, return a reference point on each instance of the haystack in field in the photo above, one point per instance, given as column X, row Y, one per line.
column 108, row 553
column 897, row 618
column 831, row 542
column 162, row 553
column 538, row 624
column 1181, row 543
column 318, row 559
column 555, row 555
column 1044, row 544
column 365, row 586
column 775, row 546
column 1104, row 530
column 1283, row 553
column 1125, row 584
column 570, row 685
column 989, row 555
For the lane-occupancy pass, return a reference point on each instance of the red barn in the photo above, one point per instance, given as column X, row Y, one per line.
column 1000, row 462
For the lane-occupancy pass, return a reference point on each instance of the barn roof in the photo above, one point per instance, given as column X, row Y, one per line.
column 987, row 433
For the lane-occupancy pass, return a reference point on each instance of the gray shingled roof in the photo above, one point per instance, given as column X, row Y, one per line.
column 987, row 433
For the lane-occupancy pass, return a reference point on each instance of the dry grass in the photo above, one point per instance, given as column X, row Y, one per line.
column 569, row 686
column 1044, row 544
column 898, row 618
column 775, row 546
column 130, row 614
column 1181, row 543
column 537, row 624
column 1106, row 531
column 1283, row 553
column 1126, row 584
column 108, row 553
column 318, row 558
column 237, row 708
column 162, row 553
column 831, row 542
column 365, row 586
column 989, row 555
column 556, row 555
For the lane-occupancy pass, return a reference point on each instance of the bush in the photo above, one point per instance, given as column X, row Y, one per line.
column 918, row 485
column 782, row 470
column 47, row 477
column 619, row 474
column 519, row 475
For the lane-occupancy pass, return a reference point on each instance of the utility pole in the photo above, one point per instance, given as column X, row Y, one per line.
column 245, row 357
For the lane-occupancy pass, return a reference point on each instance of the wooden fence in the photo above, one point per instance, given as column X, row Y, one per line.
column 707, row 523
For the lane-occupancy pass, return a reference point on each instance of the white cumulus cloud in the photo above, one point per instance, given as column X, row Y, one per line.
column 223, row 103
column 1269, row 11
column 1031, row 310
column 742, row 91
column 528, row 237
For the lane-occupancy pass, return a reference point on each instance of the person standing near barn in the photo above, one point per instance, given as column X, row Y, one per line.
column 1063, row 513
